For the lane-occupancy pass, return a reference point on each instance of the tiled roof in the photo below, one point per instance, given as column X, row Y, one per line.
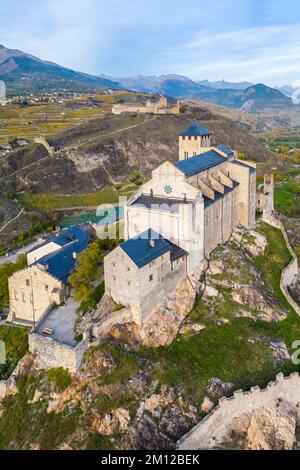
column 142, row 253
column 204, row 161
column 227, row 150
column 61, row 262
column 63, row 237
column 195, row 129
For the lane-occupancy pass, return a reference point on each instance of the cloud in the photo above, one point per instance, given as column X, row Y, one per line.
column 232, row 39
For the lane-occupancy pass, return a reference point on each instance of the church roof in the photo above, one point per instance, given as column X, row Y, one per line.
column 195, row 129
column 227, row 150
column 193, row 165
column 61, row 262
column 142, row 253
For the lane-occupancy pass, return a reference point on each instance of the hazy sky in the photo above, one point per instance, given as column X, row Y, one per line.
column 256, row 40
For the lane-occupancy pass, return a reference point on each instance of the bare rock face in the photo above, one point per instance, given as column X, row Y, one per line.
column 217, row 389
column 251, row 298
column 207, row 405
column 116, row 421
column 271, row 428
column 280, row 352
column 102, row 362
column 165, row 322
column 253, row 242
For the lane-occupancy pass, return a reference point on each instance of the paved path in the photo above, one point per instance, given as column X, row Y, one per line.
column 12, row 258
column 12, row 220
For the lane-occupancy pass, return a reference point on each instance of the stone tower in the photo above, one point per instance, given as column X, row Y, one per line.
column 194, row 140
column 265, row 196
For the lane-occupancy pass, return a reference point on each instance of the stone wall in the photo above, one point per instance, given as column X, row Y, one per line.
column 119, row 317
column 212, row 429
column 290, row 272
column 159, row 107
column 50, row 353
column 41, row 140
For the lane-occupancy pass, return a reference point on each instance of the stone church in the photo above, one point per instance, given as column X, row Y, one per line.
column 176, row 219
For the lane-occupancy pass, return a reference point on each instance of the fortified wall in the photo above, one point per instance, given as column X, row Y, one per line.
column 291, row 271
column 212, row 429
column 159, row 107
column 42, row 141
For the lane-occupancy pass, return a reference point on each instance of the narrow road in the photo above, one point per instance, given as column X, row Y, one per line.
column 24, row 168
column 12, row 220
column 30, row 165
column 12, row 257
column 117, row 131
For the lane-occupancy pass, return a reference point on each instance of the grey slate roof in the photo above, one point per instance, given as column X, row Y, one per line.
column 163, row 204
column 227, row 150
column 142, row 253
column 193, row 165
column 195, row 129
column 61, row 262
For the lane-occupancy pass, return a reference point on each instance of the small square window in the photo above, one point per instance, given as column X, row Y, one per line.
column 114, row 265
column 129, row 283
column 151, row 278
column 128, row 269
column 46, row 287
column 27, row 282
column 114, row 278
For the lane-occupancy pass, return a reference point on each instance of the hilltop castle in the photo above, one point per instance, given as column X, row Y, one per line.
column 176, row 219
column 151, row 107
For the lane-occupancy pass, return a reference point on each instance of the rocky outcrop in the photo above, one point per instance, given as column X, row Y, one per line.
column 160, row 329
column 251, row 298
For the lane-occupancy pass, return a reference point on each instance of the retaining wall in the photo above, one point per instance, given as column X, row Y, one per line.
column 50, row 353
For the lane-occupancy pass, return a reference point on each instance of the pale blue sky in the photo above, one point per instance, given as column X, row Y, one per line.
column 257, row 40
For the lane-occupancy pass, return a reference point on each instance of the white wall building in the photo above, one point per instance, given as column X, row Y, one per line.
column 194, row 204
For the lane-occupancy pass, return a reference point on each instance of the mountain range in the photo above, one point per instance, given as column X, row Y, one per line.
column 244, row 95
column 25, row 73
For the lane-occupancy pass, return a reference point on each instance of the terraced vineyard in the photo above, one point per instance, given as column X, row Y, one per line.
column 48, row 119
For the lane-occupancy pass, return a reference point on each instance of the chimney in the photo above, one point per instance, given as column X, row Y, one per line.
column 152, row 243
column 151, row 192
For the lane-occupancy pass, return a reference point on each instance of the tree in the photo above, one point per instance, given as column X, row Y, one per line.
column 7, row 270
column 87, row 271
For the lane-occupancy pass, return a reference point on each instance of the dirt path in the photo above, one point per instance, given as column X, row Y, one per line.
column 24, row 168
column 12, row 220
column 117, row 131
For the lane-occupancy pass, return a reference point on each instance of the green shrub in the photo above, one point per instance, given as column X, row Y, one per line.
column 60, row 378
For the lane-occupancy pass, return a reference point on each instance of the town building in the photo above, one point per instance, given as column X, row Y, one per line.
column 44, row 282
column 194, row 205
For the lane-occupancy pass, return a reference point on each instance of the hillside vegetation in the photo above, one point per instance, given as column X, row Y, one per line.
column 118, row 380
